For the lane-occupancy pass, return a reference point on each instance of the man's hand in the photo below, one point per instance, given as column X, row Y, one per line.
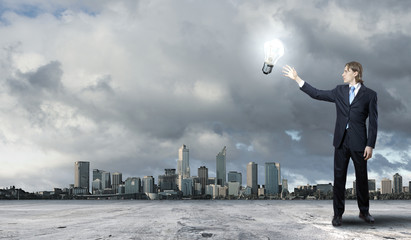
column 367, row 153
column 291, row 73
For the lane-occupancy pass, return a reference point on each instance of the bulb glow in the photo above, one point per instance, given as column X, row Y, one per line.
column 273, row 50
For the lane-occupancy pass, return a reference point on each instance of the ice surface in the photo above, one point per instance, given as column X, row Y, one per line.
column 205, row 219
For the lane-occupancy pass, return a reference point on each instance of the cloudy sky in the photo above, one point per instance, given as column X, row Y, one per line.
column 123, row 84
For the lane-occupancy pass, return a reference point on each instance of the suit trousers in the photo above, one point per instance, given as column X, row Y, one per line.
column 342, row 157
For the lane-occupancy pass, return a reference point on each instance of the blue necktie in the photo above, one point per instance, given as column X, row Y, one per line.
column 352, row 95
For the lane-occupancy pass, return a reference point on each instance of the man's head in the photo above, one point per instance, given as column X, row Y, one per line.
column 356, row 69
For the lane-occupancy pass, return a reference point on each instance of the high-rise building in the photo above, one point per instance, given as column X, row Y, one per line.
column 105, row 180
column 386, row 186
column 397, row 180
column 271, row 178
column 234, row 176
column 252, row 177
column 409, row 186
column 168, row 181
column 371, row 185
column 183, row 163
column 148, row 184
column 97, row 174
column 203, row 175
column 82, row 175
column 132, row 185
column 117, row 181
column 221, row 167
column 96, row 186
column 285, row 184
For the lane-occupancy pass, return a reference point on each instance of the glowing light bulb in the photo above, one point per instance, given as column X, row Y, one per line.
column 273, row 50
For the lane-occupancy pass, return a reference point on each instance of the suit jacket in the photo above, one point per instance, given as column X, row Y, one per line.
column 363, row 106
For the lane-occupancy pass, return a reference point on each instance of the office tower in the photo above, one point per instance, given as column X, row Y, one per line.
column 96, row 186
column 168, row 181
column 97, row 174
column 187, row 186
column 132, row 185
column 234, row 176
column 183, row 163
column 371, row 185
column 409, row 186
column 148, row 184
column 285, row 185
column 354, row 187
column 105, row 180
column 82, row 175
column 221, row 167
column 252, row 177
column 203, row 175
column 386, row 187
column 233, row 188
column 117, row 180
column 271, row 178
column 397, row 180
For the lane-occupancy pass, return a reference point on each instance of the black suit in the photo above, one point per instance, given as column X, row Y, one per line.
column 350, row 142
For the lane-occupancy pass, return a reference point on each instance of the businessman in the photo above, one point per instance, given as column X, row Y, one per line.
column 354, row 104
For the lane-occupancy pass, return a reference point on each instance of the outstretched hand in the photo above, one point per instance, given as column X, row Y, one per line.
column 290, row 72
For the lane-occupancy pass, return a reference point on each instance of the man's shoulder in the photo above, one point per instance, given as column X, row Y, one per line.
column 369, row 90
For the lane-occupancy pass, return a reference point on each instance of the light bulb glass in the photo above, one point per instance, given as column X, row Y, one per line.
column 273, row 50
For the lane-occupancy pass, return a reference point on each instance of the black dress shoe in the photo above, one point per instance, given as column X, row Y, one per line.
column 337, row 221
column 367, row 217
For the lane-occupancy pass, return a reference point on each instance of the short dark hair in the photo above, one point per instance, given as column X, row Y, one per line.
column 356, row 67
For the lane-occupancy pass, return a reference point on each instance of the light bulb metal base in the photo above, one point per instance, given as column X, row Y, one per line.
column 267, row 68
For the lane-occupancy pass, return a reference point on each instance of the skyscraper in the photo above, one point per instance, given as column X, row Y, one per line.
column 82, row 175
column 148, row 184
column 203, row 175
column 271, row 178
column 97, row 174
column 168, row 181
column 132, row 185
column 105, row 180
column 234, row 176
column 183, row 163
column 371, row 185
column 397, row 180
column 252, row 177
column 117, row 180
column 221, row 167
column 386, row 186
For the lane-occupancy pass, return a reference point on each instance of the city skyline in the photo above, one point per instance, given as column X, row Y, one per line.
column 123, row 84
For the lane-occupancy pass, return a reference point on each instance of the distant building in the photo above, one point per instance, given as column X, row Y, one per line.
column 183, row 163
column 117, row 181
column 285, row 185
column 203, row 176
column 221, row 167
column 233, row 189
column 82, row 175
column 96, row 186
column 371, row 185
column 409, row 186
column 234, row 176
column 325, row 188
column 397, row 180
column 187, row 186
column 168, row 181
column 97, row 174
column 386, row 187
column 105, row 180
column 132, row 185
column 252, row 177
column 148, row 184
column 272, row 183
column 405, row 189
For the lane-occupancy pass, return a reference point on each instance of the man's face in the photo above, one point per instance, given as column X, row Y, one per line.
column 349, row 76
